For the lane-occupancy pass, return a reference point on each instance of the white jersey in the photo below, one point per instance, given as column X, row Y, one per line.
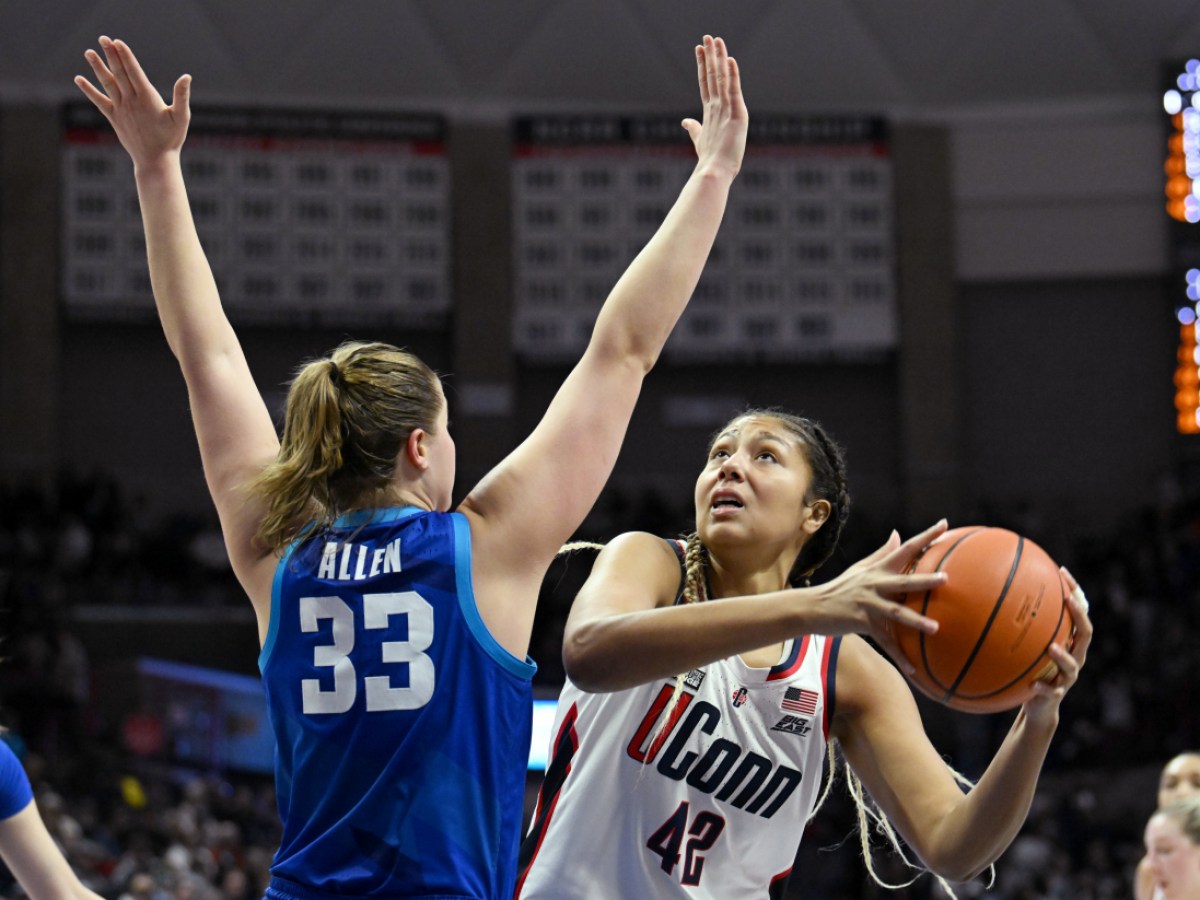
column 711, row 806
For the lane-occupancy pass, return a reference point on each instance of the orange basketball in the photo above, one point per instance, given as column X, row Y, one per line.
column 1002, row 606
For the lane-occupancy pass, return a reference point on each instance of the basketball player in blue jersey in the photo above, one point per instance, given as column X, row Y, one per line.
column 26, row 846
column 394, row 632
column 706, row 685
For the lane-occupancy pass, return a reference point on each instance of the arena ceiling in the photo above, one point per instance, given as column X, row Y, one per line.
column 479, row 58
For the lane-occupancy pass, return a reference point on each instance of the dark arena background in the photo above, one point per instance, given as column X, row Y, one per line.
column 963, row 238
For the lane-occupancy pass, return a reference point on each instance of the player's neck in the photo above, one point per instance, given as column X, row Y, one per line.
column 730, row 581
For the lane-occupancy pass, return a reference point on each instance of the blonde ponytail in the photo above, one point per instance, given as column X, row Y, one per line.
column 296, row 484
column 347, row 417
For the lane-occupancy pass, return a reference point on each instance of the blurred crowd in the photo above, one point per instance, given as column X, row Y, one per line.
column 139, row 831
column 147, row 830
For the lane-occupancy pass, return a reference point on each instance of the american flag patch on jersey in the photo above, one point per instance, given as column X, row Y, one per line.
column 800, row 700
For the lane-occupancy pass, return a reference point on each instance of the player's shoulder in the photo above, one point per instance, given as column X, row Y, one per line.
column 643, row 551
column 642, row 542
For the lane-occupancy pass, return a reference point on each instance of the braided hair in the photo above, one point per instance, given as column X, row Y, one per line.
column 828, row 483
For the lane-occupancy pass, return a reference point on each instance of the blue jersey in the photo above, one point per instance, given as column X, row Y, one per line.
column 402, row 726
column 15, row 792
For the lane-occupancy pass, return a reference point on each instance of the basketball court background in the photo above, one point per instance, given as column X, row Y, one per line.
column 986, row 318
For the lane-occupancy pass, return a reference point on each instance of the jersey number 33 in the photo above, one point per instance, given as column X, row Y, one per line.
column 381, row 695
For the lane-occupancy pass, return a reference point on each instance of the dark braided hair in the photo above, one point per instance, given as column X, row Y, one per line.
column 828, row 465
column 695, row 557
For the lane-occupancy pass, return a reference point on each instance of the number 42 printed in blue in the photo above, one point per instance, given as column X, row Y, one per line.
column 667, row 842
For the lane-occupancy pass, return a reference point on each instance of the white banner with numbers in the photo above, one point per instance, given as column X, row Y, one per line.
column 803, row 268
column 306, row 217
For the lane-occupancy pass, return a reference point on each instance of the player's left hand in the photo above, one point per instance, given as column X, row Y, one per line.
column 1049, row 692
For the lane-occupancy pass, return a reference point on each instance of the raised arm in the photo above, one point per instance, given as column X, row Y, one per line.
column 232, row 424
column 956, row 835
column 535, row 499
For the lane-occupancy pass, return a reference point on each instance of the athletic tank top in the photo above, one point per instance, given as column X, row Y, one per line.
column 402, row 727
column 710, row 805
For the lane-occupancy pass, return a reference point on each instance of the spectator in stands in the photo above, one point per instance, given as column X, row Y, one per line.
column 1180, row 780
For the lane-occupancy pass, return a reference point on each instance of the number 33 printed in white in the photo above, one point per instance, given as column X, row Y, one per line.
column 377, row 608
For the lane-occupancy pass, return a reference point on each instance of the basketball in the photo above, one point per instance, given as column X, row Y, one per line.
column 1003, row 605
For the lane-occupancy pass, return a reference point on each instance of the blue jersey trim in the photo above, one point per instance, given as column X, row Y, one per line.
column 831, row 679
column 466, row 603
column 376, row 516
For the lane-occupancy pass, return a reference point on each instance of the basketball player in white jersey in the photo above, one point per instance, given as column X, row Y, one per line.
column 703, row 689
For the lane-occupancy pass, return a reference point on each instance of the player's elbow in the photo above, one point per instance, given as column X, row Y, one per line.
column 627, row 348
column 960, row 874
column 585, row 662
column 956, row 866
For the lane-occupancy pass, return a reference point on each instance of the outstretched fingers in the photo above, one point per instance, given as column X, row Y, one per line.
column 132, row 68
column 908, row 551
column 117, row 66
column 909, row 617
column 702, row 71
column 99, row 98
column 710, row 68
column 103, row 75
column 690, row 125
column 146, row 127
column 736, row 102
column 721, row 70
column 883, row 550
